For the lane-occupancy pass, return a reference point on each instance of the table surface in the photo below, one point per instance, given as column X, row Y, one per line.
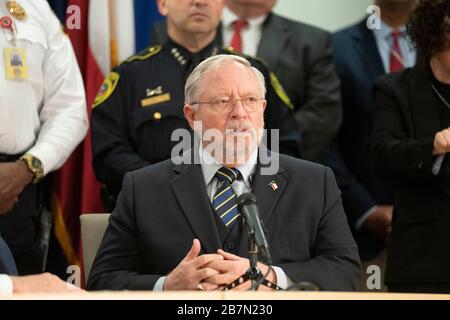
column 229, row 295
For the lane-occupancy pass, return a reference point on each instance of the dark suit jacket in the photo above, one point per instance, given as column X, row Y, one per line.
column 301, row 57
column 7, row 265
column 358, row 63
column 163, row 207
column 406, row 119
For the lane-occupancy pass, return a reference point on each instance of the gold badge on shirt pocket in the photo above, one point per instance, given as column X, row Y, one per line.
column 16, row 64
column 16, row 10
column 155, row 96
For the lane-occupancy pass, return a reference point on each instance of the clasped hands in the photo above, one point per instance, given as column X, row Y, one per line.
column 211, row 271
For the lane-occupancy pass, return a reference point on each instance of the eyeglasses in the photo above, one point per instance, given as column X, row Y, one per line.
column 224, row 105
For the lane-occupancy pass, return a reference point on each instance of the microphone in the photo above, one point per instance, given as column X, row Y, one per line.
column 249, row 209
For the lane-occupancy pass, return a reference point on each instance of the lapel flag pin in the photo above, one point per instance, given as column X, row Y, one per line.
column 273, row 185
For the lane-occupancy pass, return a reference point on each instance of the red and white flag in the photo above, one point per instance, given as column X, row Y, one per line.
column 104, row 38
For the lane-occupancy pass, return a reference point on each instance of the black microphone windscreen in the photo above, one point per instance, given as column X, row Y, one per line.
column 246, row 198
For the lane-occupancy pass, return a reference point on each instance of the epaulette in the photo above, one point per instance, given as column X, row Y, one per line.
column 144, row 55
column 274, row 81
column 279, row 90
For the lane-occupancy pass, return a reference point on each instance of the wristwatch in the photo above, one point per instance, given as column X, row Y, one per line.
column 34, row 165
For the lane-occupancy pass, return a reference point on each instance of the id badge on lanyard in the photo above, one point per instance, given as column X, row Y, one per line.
column 15, row 58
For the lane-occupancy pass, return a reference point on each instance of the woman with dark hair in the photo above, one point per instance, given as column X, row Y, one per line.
column 411, row 143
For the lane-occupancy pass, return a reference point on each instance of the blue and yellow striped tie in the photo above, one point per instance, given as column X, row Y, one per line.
column 225, row 200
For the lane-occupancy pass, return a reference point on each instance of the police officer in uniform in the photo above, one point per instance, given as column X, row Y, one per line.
column 42, row 119
column 141, row 102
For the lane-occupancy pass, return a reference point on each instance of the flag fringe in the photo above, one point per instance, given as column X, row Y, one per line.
column 61, row 231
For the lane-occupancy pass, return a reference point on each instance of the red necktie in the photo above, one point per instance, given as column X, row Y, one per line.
column 236, row 40
column 396, row 59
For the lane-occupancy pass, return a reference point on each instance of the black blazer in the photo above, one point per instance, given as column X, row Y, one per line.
column 163, row 207
column 406, row 119
column 7, row 265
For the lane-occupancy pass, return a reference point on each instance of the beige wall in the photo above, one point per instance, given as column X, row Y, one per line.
column 327, row 14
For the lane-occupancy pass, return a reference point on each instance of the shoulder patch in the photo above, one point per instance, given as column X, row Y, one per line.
column 279, row 90
column 107, row 89
column 150, row 52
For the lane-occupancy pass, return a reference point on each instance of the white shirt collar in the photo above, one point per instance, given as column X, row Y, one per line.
column 210, row 166
column 228, row 17
column 385, row 32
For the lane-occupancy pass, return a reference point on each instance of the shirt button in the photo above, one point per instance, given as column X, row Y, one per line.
column 230, row 246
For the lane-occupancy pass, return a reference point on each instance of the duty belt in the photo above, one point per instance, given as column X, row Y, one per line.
column 9, row 157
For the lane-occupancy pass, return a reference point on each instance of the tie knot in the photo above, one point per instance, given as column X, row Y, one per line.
column 227, row 175
column 396, row 35
column 238, row 25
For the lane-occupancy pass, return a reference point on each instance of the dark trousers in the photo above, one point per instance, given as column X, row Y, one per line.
column 20, row 229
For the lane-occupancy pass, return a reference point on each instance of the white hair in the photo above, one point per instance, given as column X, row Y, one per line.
column 194, row 87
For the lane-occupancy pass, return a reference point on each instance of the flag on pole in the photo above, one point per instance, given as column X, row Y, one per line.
column 145, row 15
column 110, row 31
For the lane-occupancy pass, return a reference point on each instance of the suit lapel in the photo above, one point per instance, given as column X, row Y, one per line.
column 366, row 46
column 267, row 190
column 273, row 40
column 189, row 188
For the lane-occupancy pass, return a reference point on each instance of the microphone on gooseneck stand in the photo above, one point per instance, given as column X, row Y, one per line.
column 249, row 209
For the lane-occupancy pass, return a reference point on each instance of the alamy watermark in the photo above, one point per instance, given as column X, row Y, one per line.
column 73, row 20
column 373, row 281
column 231, row 146
column 374, row 20
column 74, row 278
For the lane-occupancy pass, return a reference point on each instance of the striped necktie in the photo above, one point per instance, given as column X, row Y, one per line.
column 225, row 200
column 396, row 62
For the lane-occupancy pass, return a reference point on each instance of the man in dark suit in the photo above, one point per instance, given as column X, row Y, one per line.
column 361, row 53
column 177, row 225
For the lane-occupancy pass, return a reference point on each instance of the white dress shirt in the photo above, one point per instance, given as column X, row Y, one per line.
column 44, row 115
column 385, row 41
column 251, row 35
column 209, row 167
